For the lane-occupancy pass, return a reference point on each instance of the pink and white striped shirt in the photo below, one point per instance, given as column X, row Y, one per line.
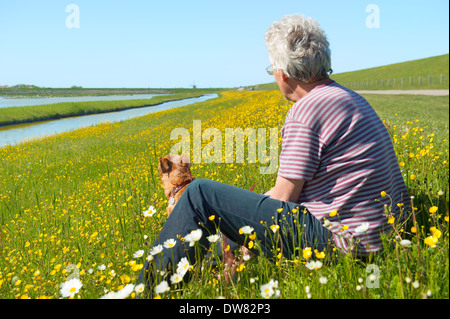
column 337, row 144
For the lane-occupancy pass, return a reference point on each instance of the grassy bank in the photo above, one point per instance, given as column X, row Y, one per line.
column 422, row 74
column 29, row 114
column 71, row 207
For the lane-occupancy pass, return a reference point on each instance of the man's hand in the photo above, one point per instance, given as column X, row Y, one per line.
column 286, row 189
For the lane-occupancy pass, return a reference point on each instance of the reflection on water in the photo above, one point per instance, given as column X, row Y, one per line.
column 10, row 135
column 58, row 99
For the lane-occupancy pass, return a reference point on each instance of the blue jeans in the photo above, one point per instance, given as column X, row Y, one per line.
column 234, row 208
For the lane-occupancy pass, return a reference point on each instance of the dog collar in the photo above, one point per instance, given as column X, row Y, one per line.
column 175, row 190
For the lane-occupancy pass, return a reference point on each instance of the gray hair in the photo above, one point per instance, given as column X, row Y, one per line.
column 299, row 47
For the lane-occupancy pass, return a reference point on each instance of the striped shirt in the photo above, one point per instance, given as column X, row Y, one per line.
column 335, row 142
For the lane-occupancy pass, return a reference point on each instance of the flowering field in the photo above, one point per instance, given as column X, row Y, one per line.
column 79, row 212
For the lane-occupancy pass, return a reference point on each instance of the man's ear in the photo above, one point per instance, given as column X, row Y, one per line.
column 165, row 165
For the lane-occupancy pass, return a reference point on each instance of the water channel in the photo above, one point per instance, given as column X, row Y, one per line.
column 14, row 134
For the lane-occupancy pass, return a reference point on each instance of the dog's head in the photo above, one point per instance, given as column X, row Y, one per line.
column 175, row 169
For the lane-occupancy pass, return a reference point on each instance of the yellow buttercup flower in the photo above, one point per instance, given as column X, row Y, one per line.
column 433, row 209
column 431, row 241
column 333, row 213
column 435, row 232
column 383, row 193
column 319, row 255
column 307, row 253
column 391, row 219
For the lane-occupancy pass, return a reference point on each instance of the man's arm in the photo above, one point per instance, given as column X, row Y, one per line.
column 286, row 189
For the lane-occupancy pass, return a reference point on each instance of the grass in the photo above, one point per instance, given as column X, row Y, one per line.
column 28, row 114
column 389, row 77
column 71, row 206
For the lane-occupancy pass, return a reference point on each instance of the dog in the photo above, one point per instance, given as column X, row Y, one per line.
column 175, row 176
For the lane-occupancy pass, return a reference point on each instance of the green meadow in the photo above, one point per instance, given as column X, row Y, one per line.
column 28, row 114
column 71, row 206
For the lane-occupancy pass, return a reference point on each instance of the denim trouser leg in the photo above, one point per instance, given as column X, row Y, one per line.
column 234, row 208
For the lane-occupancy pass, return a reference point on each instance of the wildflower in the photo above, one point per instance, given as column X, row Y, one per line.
column 413, row 229
column 138, row 254
column 323, row 280
column 446, row 218
column 183, row 266
column 383, row 194
column 416, row 284
column 440, row 193
column 213, row 238
column 162, row 287
column 435, row 232
column 149, row 212
column 176, row 278
column 431, row 241
column 433, row 210
column 246, row 230
column 139, row 288
column 193, row 237
column 344, row 227
column 362, row 228
column 101, row 267
column 268, row 291
column 391, row 219
column 156, row 250
column 250, row 244
column 307, row 253
column 314, row 265
column 405, row 243
column 274, row 228
column 412, row 177
column 170, row 243
column 320, row 255
column 70, row 287
column 333, row 213
column 326, row 223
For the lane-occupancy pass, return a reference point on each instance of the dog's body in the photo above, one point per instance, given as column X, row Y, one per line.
column 175, row 175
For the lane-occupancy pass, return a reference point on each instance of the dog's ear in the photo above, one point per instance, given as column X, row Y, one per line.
column 165, row 164
column 185, row 161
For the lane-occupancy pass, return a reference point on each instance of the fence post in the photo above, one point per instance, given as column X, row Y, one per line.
column 410, row 80
column 420, row 80
column 442, row 78
column 429, row 79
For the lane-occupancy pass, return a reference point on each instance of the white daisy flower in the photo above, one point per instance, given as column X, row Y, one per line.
column 246, row 230
column 362, row 228
column 139, row 288
column 213, row 238
column 162, row 287
column 156, row 250
column 138, row 254
column 314, row 265
column 70, row 287
column 149, row 212
column 101, row 267
column 193, row 236
column 176, row 278
column 170, row 243
column 183, row 266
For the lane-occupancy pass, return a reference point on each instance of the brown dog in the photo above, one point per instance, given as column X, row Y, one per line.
column 175, row 175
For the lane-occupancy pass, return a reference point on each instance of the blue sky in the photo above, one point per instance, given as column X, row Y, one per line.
column 175, row 43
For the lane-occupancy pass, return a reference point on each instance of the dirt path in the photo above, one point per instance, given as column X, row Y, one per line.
column 416, row 92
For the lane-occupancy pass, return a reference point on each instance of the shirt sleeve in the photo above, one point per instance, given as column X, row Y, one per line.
column 300, row 153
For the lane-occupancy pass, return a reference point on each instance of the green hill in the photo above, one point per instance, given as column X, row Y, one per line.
column 428, row 73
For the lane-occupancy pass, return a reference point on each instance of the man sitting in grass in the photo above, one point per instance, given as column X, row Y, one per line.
column 337, row 158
